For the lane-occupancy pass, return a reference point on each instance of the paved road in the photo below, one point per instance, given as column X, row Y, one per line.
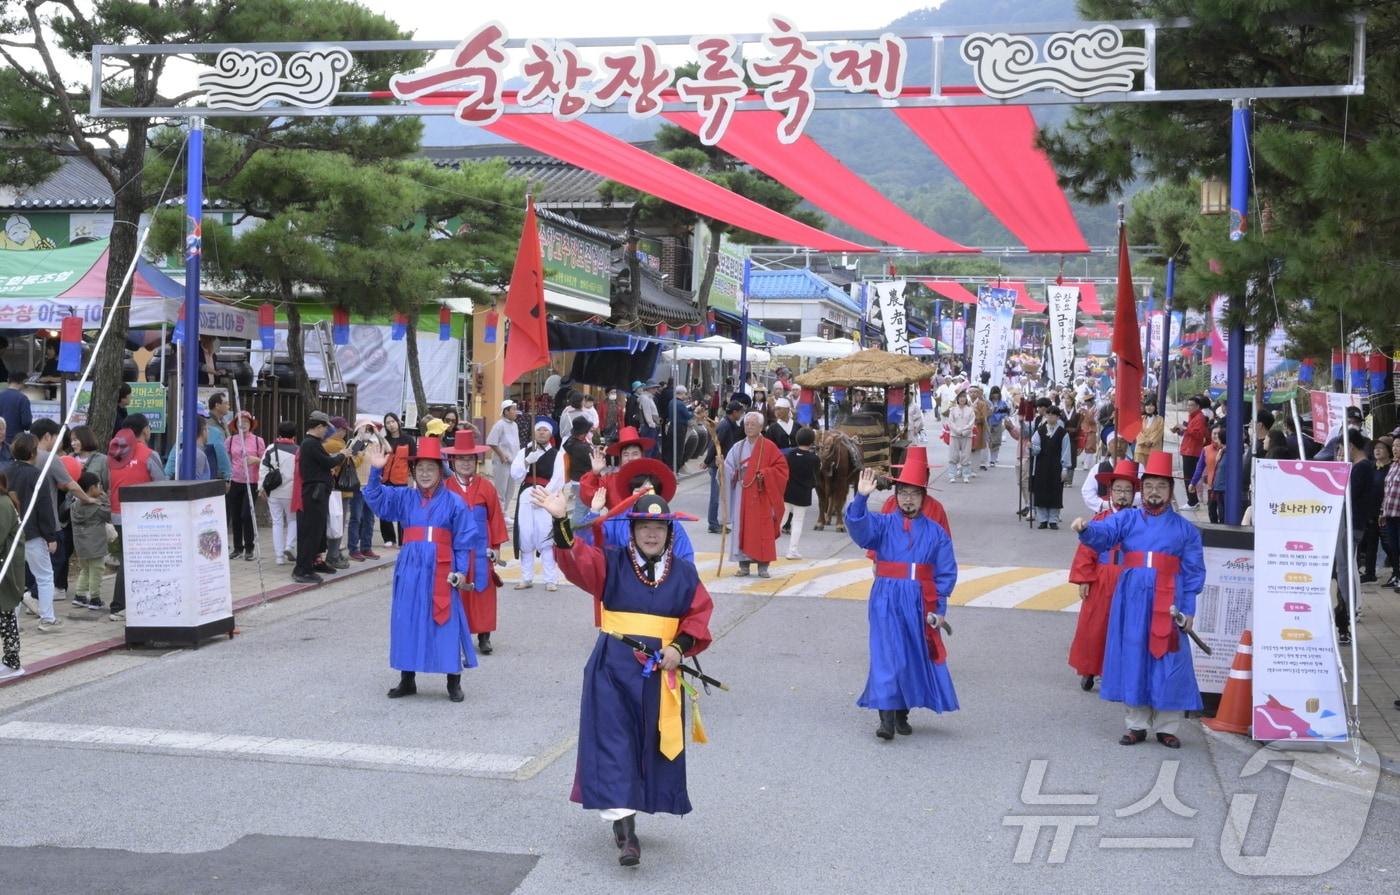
column 274, row 763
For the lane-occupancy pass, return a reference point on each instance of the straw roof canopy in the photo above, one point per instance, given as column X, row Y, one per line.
column 869, row 367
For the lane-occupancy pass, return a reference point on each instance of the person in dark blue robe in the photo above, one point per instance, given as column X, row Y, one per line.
column 1147, row 662
column 915, row 572
column 631, row 739
column 427, row 625
column 630, row 478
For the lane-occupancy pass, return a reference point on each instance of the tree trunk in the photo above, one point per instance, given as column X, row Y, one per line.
column 107, row 371
column 296, row 350
column 415, row 373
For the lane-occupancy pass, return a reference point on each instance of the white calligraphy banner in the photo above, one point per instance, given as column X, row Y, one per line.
column 891, row 300
column 1297, row 683
column 1064, row 303
column 995, row 308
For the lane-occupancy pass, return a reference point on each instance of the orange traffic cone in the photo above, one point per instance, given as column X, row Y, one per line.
column 1237, row 703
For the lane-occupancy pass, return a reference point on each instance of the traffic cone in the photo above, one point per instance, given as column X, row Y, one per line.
column 1237, row 703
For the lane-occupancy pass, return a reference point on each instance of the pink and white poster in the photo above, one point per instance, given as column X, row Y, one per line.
column 1297, row 674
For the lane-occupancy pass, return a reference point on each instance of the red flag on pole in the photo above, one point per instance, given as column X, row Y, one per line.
column 1128, row 379
column 528, row 346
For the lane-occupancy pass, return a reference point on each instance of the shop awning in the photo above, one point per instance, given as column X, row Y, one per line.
column 580, row 337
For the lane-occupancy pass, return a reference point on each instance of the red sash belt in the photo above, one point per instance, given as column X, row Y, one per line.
column 1162, row 631
column 531, row 480
column 442, row 591
column 923, row 574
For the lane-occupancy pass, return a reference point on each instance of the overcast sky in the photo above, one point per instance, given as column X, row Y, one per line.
column 578, row 18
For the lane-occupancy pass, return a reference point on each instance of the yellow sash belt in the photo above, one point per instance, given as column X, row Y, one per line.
column 663, row 628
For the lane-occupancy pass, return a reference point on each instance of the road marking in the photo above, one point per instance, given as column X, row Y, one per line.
column 1015, row 594
column 278, row 749
column 965, row 593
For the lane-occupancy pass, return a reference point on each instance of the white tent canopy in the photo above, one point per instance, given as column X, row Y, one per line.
column 815, row 347
column 717, row 348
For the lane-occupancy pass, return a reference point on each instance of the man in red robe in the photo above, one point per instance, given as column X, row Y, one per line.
column 758, row 474
column 1097, row 576
column 485, row 504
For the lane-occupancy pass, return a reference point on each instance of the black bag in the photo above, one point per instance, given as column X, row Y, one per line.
column 272, row 480
column 347, row 479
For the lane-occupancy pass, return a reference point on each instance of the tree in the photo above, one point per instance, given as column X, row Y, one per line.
column 369, row 236
column 1326, row 171
column 43, row 41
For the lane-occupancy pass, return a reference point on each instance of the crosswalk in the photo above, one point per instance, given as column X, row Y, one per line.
column 995, row 587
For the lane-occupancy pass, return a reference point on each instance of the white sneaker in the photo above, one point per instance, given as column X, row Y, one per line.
column 31, row 604
column 793, row 554
column 8, row 673
column 551, row 587
column 524, row 585
column 46, row 626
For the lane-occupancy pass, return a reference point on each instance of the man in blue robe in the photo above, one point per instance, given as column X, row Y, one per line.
column 1147, row 661
column 427, row 625
column 915, row 572
column 631, row 737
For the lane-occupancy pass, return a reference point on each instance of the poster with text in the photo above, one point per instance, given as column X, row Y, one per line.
column 1222, row 610
column 995, row 308
column 959, row 336
column 1280, row 373
column 890, row 297
column 1064, row 302
column 1297, row 681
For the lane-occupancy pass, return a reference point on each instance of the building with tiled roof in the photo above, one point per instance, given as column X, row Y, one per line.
column 798, row 303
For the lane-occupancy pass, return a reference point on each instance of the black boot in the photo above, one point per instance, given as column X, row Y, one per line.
column 454, row 688
column 631, row 849
column 886, row 729
column 483, row 643
column 901, row 723
column 407, row 685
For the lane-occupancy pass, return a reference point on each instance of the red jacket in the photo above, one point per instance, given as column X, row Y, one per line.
column 1193, row 439
column 132, row 472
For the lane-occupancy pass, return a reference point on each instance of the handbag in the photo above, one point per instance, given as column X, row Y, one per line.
column 272, row 479
column 347, row 479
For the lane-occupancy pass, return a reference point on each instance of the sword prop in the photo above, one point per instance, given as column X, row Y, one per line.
column 1180, row 619
column 656, row 655
column 935, row 621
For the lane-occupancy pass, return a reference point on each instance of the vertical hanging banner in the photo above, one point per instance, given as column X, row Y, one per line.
column 959, row 342
column 945, row 332
column 874, row 318
column 267, row 326
column 894, row 406
column 340, row 326
column 1395, row 374
column 1064, row 304
column 398, row 328
column 70, row 345
column 1297, row 680
column 890, row 296
column 444, row 323
column 804, row 406
column 995, row 308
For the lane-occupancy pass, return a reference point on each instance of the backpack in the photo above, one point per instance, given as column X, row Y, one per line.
column 272, row 479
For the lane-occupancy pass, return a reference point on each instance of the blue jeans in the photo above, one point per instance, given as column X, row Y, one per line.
column 714, row 497
column 361, row 528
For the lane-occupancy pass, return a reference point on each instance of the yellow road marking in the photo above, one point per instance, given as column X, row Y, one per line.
column 964, row 593
column 1054, row 599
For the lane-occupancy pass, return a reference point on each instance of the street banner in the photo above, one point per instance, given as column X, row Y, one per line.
column 1329, row 413
column 1297, row 681
column 1280, row 373
column 959, row 342
column 1224, row 607
column 995, row 308
column 1156, row 320
column 1064, row 301
column 890, row 298
column 945, row 332
column 1395, row 374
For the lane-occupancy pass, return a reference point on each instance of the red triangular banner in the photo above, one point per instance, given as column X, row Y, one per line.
column 528, row 346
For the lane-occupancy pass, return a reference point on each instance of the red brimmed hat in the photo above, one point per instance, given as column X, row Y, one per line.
column 652, row 507
column 630, row 435
column 426, row 448
column 464, row 445
column 1159, row 464
column 914, row 469
column 1125, row 469
column 619, row 483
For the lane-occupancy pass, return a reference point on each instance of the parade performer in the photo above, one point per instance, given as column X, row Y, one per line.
column 1147, row 662
column 632, row 722
column 537, row 465
column 485, row 504
column 758, row 474
column 1051, row 467
column 1096, row 573
column 644, row 475
column 427, row 626
column 916, row 457
column 629, row 446
column 915, row 573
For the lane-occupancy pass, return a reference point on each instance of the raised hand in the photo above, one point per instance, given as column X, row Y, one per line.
column 600, row 501
column 378, row 455
column 866, row 486
column 1078, row 524
column 555, row 503
column 600, row 460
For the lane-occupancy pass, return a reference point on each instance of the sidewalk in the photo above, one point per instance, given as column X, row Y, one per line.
column 1378, row 669
column 84, row 633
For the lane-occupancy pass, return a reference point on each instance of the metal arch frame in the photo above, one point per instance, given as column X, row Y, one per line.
column 827, row 97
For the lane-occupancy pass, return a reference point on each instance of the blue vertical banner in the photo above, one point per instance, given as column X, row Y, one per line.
column 894, row 406
column 1237, row 436
column 70, row 345
column 804, row 406
column 399, row 327
column 744, row 324
column 1240, row 122
column 189, row 325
